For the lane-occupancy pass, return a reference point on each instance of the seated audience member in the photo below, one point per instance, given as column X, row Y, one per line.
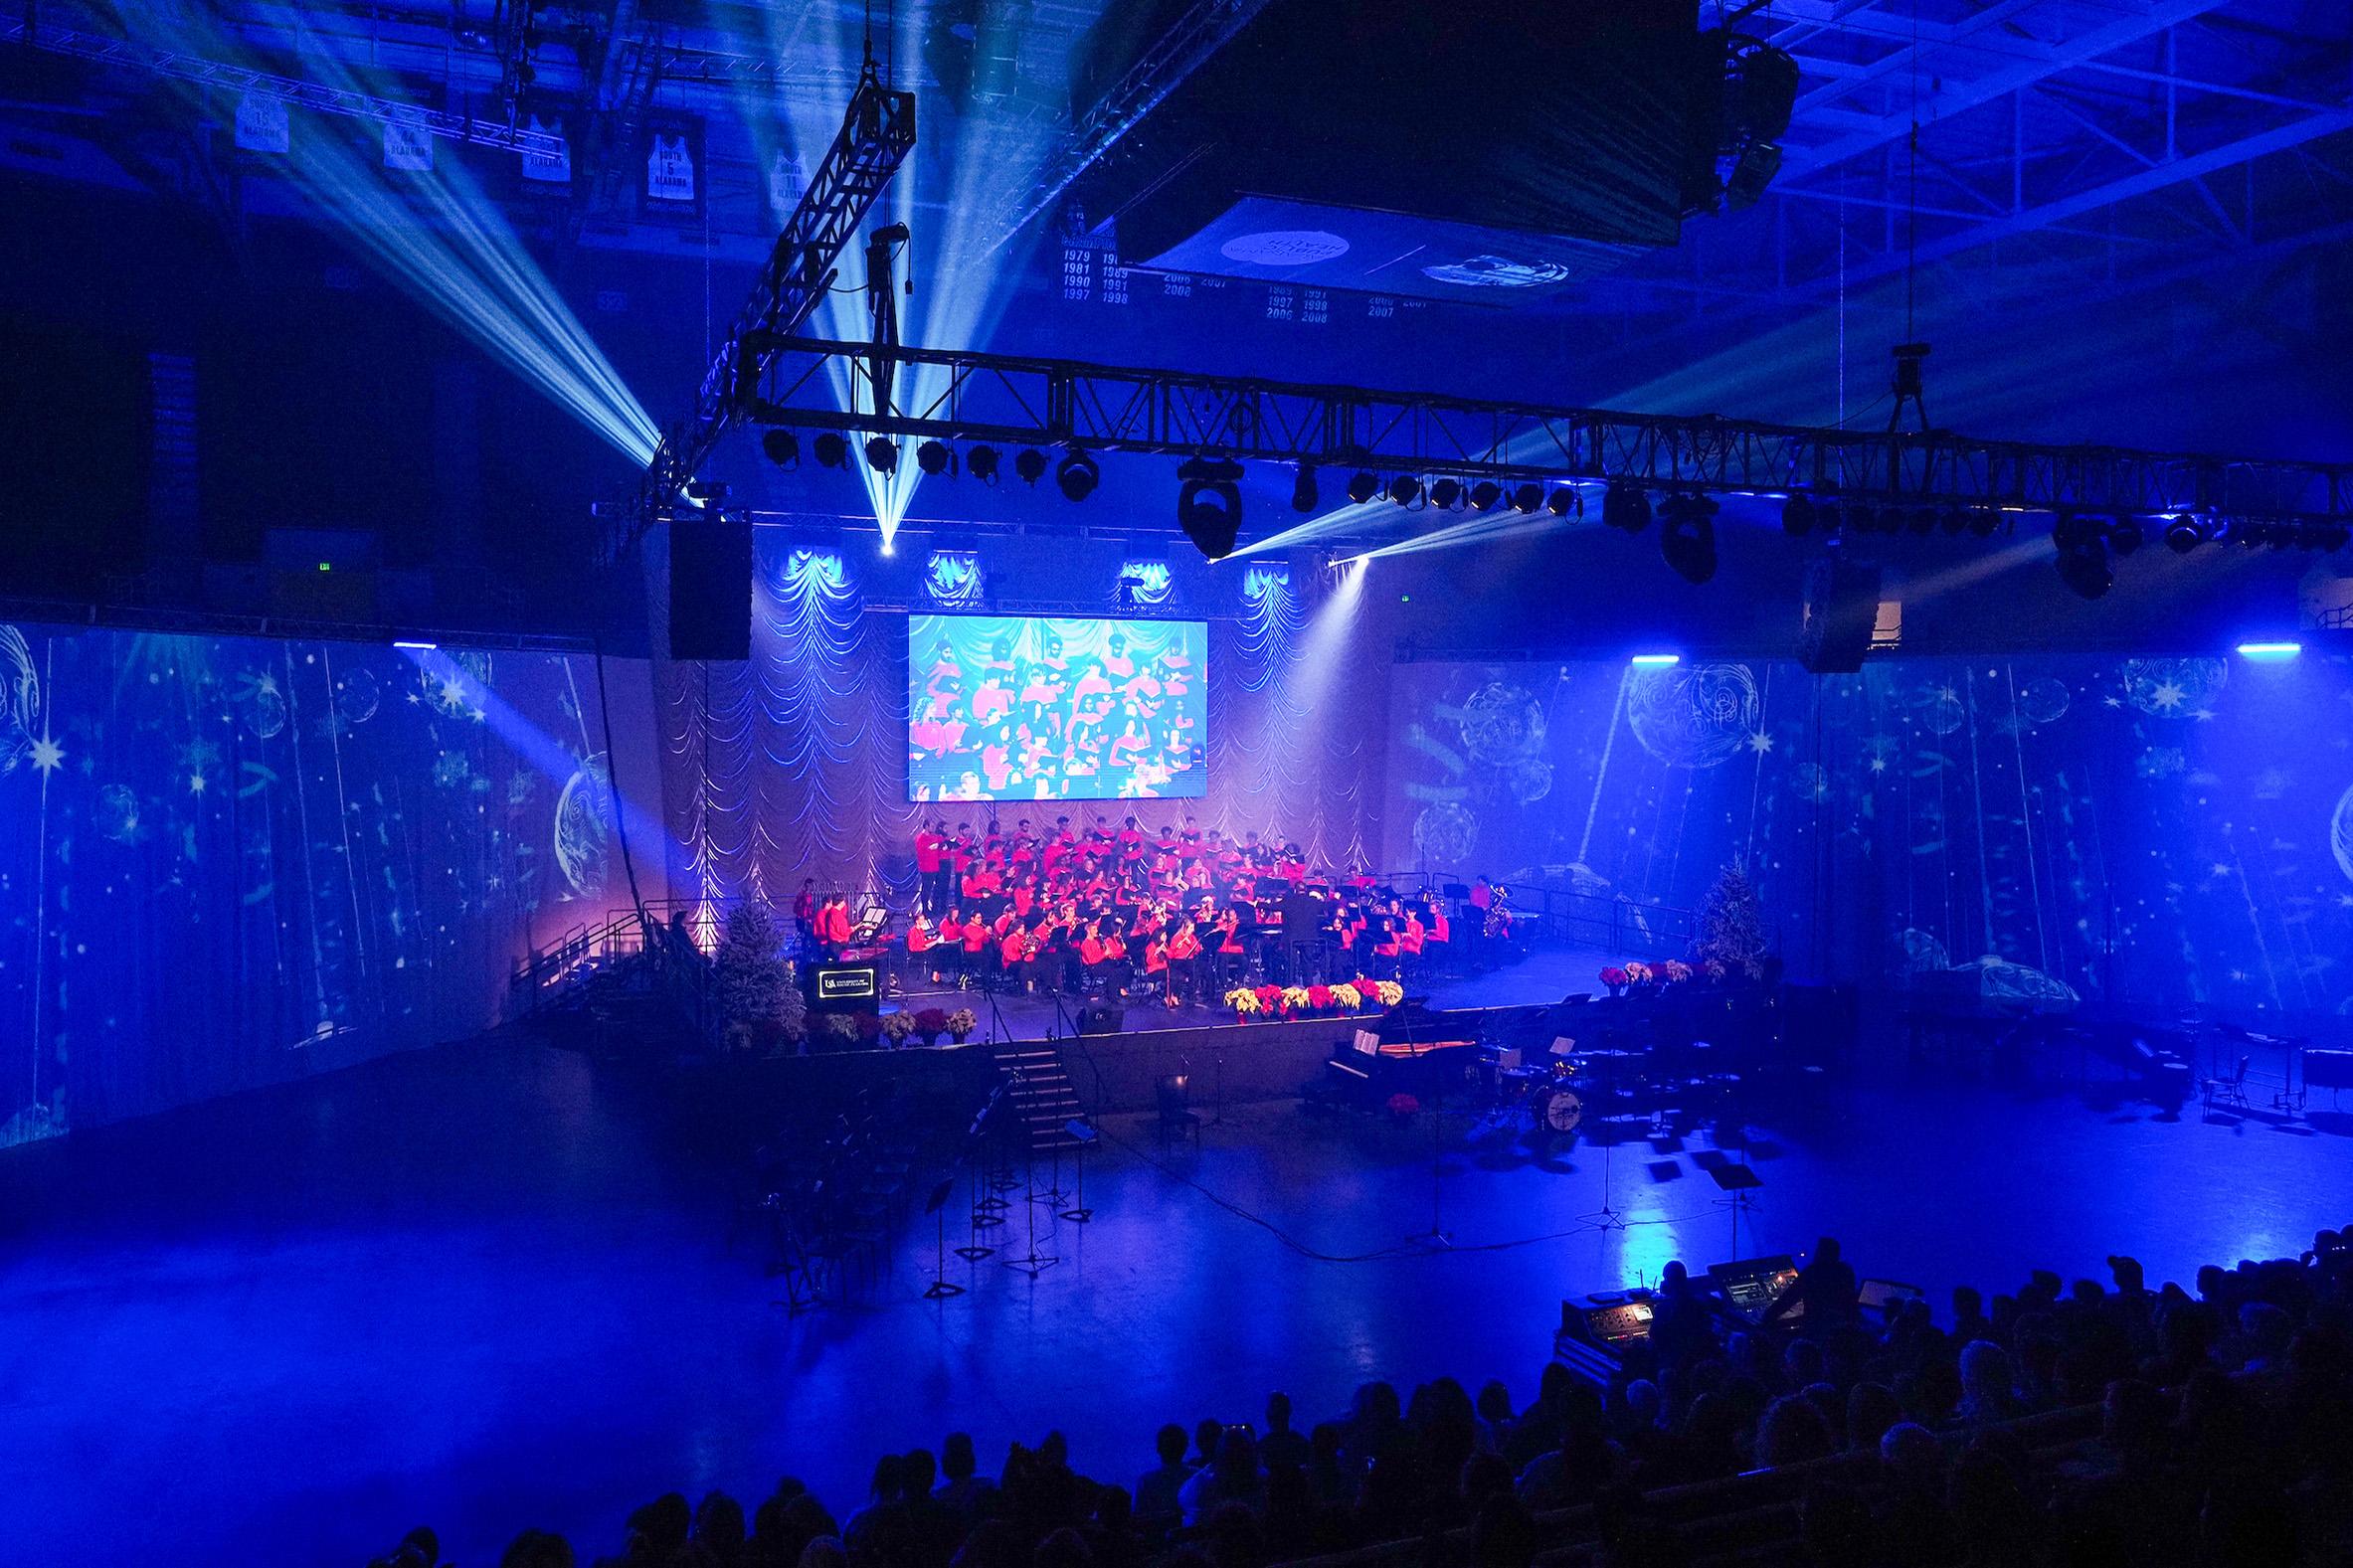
column 1157, row 1506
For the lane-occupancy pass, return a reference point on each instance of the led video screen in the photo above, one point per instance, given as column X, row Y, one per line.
column 1026, row 708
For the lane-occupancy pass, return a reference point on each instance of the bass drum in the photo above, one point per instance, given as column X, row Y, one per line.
column 1560, row 1112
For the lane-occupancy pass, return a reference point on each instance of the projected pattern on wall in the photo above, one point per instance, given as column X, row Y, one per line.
column 1014, row 708
column 2176, row 830
column 229, row 861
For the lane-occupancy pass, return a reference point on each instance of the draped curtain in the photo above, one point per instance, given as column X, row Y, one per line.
column 793, row 764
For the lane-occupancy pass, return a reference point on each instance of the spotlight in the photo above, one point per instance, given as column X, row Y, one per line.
column 2331, row 535
column 881, row 456
column 1687, row 536
column 1485, row 495
column 830, row 450
column 1861, row 519
column 981, row 462
column 696, row 490
column 1564, row 501
column 1625, row 506
column 1303, row 490
column 1920, row 519
column 1404, row 489
column 2126, row 535
column 1952, row 519
column 1983, row 521
column 1030, row 464
column 1077, row 475
column 2084, row 567
column 1797, row 515
column 2257, row 652
column 1363, row 487
column 1529, row 497
column 934, row 459
column 783, row 447
column 1444, row 493
column 2184, row 534
column 1210, row 504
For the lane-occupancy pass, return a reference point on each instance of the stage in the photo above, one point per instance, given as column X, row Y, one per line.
column 488, row 1286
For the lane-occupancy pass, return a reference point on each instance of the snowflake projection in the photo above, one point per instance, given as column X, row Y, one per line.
column 1696, row 715
column 2340, row 833
column 451, row 771
column 20, row 700
column 2002, row 984
column 1500, row 724
column 1445, row 835
column 2042, row 701
column 2173, row 688
column 357, row 696
column 260, row 706
column 2162, row 762
column 582, row 814
column 1940, row 709
column 117, row 813
column 1811, row 781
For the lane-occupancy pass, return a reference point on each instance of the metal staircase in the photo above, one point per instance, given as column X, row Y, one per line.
column 627, row 963
column 1043, row 1100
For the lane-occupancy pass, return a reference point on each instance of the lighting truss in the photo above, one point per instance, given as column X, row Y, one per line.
column 123, row 51
column 877, row 133
column 1011, row 401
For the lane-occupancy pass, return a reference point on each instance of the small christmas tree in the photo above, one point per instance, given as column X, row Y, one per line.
column 752, row 976
column 1732, row 925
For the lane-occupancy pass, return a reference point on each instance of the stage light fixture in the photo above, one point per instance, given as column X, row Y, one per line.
column 2126, row 535
column 782, row 447
column 1485, row 495
column 1528, row 497
column 2332, row 535
column 2084, row 567
column 1687, row 536
column 1030, row 464
column 1952, row 519
column 1625, row 506
column 934, row 457
column 1797, row 515
column 696, row 490
column 1303, row 490
column 1363, row 487
column 1210, row 504
column 981, row 462
column 832, row 449
column 2184, row 534
column 1655, row 660
column 1404, row 489
column 1445, row 493
column 1861, row 518
column 1983, row 520
column 2257, row 652
column 882, row 454
column 1077, row 475
column 1564, row 501
column 1920, row 519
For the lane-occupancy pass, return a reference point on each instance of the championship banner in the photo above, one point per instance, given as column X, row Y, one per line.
column 261, row 125
column 408, row 147
column 551, row 173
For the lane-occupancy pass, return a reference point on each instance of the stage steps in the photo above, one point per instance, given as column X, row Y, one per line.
column 1043, row 1098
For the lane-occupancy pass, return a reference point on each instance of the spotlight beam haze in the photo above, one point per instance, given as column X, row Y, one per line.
column 465, row 264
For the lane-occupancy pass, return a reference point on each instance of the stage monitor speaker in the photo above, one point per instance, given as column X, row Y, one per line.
column 711, row 588
column 1101, row 1018
column 1842, row 604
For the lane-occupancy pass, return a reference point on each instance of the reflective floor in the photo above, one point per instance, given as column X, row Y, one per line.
column 478, row 1286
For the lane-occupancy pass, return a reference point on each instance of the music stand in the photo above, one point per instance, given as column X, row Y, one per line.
column 937, row 1206
column 1739, row 1181
column 1078, row 1213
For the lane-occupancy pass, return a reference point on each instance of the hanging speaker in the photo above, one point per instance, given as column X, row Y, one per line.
column 711, row 588
column 1842, row 604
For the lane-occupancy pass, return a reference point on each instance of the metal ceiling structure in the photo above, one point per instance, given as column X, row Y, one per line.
column 2086, row 138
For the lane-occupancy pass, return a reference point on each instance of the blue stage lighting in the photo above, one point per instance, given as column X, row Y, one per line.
column 2269, row 653
column 1656, row 659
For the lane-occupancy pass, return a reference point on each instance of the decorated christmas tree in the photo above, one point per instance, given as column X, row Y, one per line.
column 755, row 984
column 1730, row 930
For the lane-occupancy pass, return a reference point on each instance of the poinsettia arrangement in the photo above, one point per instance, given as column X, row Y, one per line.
column 1676, row 972
column 1615, row 977
column 1404, row 1104
column 898, row 1026
column 1639, row 974
column 1319, row 997
column 1243, row 1000
column 1297, row 998
column 962, row 1022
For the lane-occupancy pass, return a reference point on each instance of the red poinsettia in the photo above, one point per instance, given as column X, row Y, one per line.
column 1318, row 996
column 1613, row 975
column 1270, row 998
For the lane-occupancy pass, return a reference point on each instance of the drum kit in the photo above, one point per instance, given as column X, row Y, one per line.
column 1539, row 1101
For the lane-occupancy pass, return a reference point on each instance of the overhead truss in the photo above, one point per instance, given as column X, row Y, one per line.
column 975, row 396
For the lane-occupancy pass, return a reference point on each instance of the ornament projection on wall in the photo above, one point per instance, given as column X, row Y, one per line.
column 2160, row 831
column 228, row 861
